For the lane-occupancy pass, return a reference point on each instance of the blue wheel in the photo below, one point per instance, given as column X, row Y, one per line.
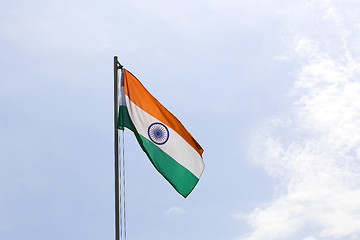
column 158, row 133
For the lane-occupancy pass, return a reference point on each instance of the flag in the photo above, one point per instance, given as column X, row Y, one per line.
column 169, row 146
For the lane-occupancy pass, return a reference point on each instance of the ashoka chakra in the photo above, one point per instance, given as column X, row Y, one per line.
column 158, row 133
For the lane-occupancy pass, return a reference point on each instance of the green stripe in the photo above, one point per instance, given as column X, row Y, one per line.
column 124, row 119
column 177, row 175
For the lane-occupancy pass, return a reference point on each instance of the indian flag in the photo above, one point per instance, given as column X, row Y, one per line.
column 169, row 146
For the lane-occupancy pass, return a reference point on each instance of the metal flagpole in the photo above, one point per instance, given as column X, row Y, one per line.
column 117, row 66
column 116, row 148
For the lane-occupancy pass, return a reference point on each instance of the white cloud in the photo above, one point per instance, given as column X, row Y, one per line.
column 281, row 58
column 175, row 211
column 314, row 151
column 310, row 238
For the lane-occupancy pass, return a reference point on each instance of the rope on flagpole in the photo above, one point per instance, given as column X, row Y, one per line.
column 122, row 176
column 120, row 198
column 123, row 182
column 120, row 222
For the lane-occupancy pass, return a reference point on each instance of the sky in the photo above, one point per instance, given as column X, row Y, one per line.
column 269, row 88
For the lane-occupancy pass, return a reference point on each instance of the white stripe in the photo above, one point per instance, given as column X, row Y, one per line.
column 122, row 96
column 176, row 146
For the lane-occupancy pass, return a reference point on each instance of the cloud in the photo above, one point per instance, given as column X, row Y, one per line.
column 281, row 58
column 310, row 238
column 175, row 211
column 314, row 151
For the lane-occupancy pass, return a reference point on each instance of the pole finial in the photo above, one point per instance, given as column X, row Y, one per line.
column 118, row 64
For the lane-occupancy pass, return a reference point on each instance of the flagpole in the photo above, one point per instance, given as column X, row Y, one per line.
column 117, row 66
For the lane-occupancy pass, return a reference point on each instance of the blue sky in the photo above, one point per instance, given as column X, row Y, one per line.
column 268, row 88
